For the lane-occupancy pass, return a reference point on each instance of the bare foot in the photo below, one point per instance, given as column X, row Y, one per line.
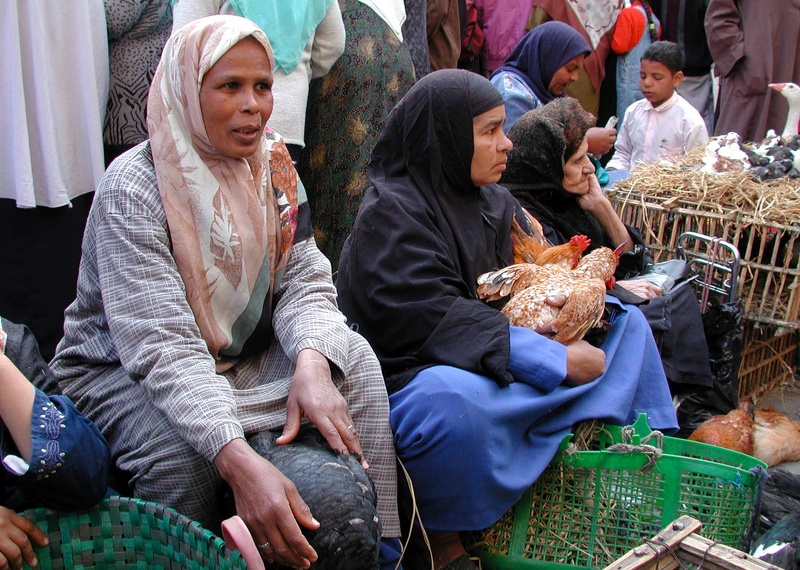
column 446, row 547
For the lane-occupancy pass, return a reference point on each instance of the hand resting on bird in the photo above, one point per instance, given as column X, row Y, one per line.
column 266, row 499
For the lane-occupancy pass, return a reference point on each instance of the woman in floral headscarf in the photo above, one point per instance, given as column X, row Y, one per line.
column 205, row 313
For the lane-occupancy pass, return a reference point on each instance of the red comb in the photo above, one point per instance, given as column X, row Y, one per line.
column 580, row 241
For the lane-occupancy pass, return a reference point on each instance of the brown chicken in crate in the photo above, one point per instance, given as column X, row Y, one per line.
column 766, row 434
column 529, row 287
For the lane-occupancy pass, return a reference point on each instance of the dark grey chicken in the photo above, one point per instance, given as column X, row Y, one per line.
column 781, row 497
column 780, row 545
column 338, row 491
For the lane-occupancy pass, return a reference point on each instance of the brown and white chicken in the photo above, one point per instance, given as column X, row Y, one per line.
column 777, row 438
column 734, row 430
column 765, row 434
column 529, row 287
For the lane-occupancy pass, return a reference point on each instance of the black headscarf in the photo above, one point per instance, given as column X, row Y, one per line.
column 544, row 139
column 407, row 274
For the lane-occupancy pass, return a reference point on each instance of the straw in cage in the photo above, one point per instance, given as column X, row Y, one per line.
column 683, row 181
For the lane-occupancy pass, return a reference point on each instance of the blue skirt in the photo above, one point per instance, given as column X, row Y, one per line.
column 472, row 448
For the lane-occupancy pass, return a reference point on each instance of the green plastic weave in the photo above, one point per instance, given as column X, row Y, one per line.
column 129, row 533
column 591, row 507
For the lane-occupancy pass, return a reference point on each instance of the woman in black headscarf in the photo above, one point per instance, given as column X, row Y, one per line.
column 471, row 397
column 551, row 176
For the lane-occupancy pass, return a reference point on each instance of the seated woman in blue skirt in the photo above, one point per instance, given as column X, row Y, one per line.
column 478, row 407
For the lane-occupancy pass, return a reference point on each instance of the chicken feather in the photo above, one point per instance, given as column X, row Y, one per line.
column 777, row 438
column 733, row 430
column 529, row 249
column 529, row 287
column 582, row 310
column 567, row 255
column 765, row 434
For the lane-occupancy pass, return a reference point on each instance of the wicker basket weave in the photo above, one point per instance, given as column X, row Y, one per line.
column 129, row 533
column 769, row 276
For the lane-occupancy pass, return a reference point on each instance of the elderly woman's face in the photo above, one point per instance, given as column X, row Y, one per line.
column 565, row 75
column 577, row 171
column 491, row 147
column 236, row 99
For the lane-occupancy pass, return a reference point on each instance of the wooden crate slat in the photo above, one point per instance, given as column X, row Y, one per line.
column 681, row 543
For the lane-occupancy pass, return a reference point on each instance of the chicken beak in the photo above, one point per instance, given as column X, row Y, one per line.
column 779, row 87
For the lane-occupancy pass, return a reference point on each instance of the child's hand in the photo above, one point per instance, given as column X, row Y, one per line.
column 16, row 533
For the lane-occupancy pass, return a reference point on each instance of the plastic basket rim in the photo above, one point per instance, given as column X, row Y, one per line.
column 187, row 531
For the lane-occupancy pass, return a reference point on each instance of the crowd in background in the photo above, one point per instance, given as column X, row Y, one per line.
column 72, row 115
column 79, row 78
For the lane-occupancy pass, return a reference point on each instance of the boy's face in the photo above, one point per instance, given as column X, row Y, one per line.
column 656, row 81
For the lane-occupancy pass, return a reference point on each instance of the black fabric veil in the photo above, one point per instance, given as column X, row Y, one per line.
column 428, row 141
column 543, row 140
column 407, row 274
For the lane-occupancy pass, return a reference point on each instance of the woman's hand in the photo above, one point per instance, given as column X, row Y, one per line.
column 594, row 201
column 584, row 363
column 556, row 301
column 641, row 288
column 16, row 534
column 601, row 140
column 269, row 504
column 598, row 205
column 313, row 394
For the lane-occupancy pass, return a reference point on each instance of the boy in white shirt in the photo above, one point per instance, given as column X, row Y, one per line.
column 663, row 125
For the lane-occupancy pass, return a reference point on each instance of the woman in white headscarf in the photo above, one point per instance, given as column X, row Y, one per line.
column 205, row 313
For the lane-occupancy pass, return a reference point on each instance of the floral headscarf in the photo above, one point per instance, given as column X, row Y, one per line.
column 232, row 221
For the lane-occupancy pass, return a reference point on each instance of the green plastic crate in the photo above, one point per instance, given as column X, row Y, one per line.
column 591, row 507
column 123, row 533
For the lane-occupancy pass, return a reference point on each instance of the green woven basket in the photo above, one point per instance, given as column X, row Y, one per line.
column 590, row 507
column 129, row 533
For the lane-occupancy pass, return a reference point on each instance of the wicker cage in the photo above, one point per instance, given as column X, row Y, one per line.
column 126, row 534
column 768, row 360
column 769, row 277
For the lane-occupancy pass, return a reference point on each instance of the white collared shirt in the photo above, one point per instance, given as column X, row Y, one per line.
column 650, row 134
